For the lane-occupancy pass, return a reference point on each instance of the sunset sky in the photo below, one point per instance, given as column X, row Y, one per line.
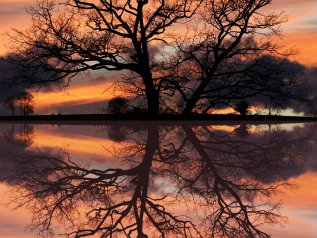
column 300, row 32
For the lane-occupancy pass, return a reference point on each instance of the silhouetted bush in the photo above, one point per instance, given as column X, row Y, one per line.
column 117, row 105
column 242, row 107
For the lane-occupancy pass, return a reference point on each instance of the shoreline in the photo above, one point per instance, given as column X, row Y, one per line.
column 159, row 119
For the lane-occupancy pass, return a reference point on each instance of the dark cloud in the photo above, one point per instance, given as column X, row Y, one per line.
column 309, row 92
column 301, row 95
column 8, row 77
column 282, row 69
column 15, row 79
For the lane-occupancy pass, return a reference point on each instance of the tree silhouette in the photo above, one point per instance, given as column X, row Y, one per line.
column 23, row 100
column 117, row 105
column 133, row 36
column 92, row 35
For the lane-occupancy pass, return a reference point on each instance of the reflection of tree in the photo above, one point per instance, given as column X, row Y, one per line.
column 116, row 200
column 223, row 184
column 242, row 131
column 219, row 173
column 117, row 133
column 24, row 137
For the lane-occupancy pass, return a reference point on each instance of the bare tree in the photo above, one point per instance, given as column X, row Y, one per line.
column 213, row 63
column 77, row 35
column 116, row 201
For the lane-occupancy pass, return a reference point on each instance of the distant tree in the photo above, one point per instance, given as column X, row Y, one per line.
column 136, row 110
column 242, row 107
column 25, row 101
column 312, row 108
column 117, row 105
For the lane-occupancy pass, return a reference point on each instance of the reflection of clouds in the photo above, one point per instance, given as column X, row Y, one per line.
column 16, row 142
column 12, row 224
column 300, row 207
column 201, row 166
column 93, row 146
column 308, row 146
column 253, row 155
column 89, row 144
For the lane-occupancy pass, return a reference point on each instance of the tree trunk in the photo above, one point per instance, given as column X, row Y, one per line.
column 152, row 145
column 191, row 103
column 152, row 95
column 189, row 108
column 153, row 101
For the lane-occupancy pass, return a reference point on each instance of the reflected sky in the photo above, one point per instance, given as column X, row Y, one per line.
column 158, row 180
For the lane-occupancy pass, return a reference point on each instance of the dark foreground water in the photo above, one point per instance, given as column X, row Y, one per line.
column 152, row 179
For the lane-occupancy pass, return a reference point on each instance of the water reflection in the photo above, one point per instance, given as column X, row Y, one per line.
column 166, row 181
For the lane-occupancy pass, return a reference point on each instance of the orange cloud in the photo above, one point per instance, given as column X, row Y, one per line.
column 94, row 148
column 300, row 207
column 74, row 94
column 300, row 13
column 305, row 42
column 13, row 224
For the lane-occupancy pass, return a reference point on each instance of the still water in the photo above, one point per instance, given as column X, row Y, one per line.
column 154, row 179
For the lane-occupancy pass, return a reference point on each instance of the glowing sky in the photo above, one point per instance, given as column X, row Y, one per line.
column 300, row 31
